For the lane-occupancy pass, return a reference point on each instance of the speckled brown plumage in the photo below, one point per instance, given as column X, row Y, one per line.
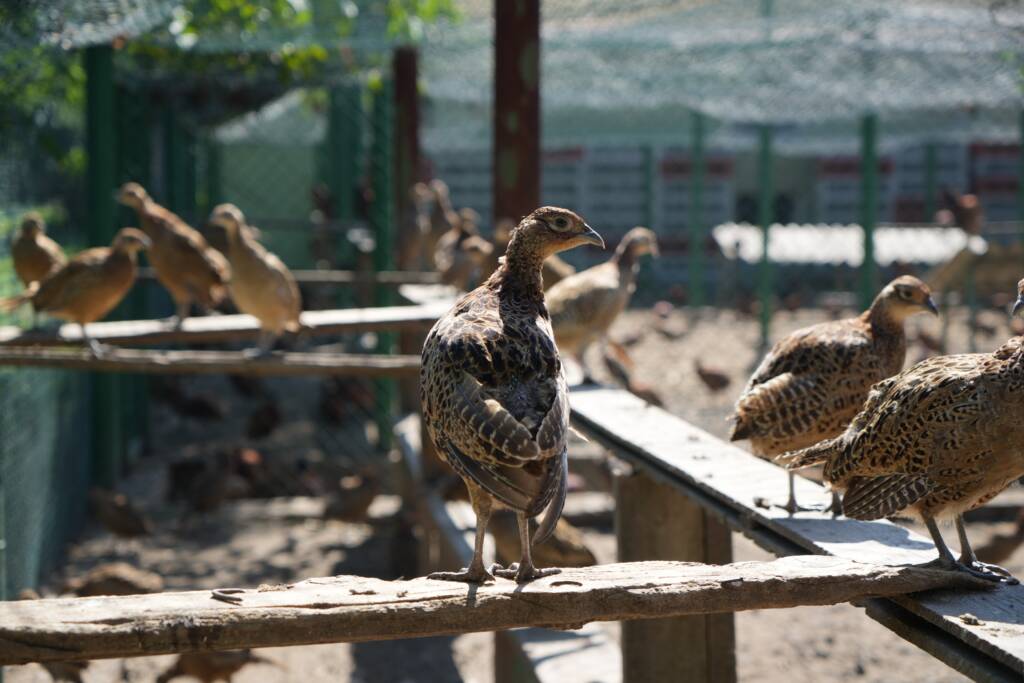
column 261, row 284
column 584, row 305
column 189, row 268
column 555, row 269
column 812, row 382
column 493, row 391
column 35, row 255
column 937, row 440
column 88, row 286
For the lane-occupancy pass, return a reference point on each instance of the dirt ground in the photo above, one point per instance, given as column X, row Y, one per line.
column 252, row 541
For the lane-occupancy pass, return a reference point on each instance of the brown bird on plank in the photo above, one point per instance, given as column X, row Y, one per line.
column 261, row 284
column 210, row 667
column 185, row 264
column 35, row 254
column 493, row 390
column 555, row 269
column 935, row 441
column 714, row 379
column 88, row 286
column 813, row 381
column 461, row 251
column 584, row 305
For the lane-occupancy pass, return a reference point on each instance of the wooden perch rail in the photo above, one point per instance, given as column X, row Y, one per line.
column 353, row 609
column 215, row 362
column 216, row 328
column 349, row 277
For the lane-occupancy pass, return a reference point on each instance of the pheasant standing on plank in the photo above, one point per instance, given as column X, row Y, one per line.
column 493, row 390
column 937, row 440
column 584, row 305
column 812, row 382
column 461, row 251
column 35, row 255
column 189, row 268
column 88, row 286
column 210, row 667
column 261, row 284
column 442, row 217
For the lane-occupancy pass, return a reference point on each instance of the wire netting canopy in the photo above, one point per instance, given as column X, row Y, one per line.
column 632, row 70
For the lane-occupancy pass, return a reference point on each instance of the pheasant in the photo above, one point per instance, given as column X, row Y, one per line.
column 35, row 254
column 114, row 578
column 493, row 391
column 261, row 284
column 461, row 251
column 555, row 269
column 88, row 286
column 189, row 268
column 812, row 382
column 584, row 305
column 210, row 667
column 118, row 515
column 937, row 440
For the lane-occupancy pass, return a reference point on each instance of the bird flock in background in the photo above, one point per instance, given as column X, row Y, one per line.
column 932, row 441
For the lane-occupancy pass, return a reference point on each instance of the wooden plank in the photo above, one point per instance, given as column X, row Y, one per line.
column 729, row 481
column 654, row 521
column 393, row 278
column 357, row 609
column 217, row 328
column 214, row 362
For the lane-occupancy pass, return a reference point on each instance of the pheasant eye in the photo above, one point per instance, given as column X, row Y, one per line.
column 561, row 222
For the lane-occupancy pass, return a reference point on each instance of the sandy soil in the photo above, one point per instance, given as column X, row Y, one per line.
column 246, row 542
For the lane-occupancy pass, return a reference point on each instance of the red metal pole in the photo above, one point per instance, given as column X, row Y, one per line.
column 517, row 163
column 407, row 142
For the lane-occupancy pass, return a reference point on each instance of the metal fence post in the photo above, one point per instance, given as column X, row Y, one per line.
column 517, row 165
column 868, row 203
column 382, row 217
column 765, row 195
column 697, row 164
column 98, row 62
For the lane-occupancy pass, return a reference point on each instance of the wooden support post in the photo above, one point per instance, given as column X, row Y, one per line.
column 407, row 151
column 765, row 197
column 100, row 180
column 868, row 204
column 517, row 164
column 655, row 522
column 696, row 218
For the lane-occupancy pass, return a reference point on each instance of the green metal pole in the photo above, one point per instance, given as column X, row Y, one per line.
column 1020, row 176
column 765, row 195
column 930, row 182
column 100, row 141
column 697, row 164
column 214, row 188
column 868, row 204
column 344, row 137
column 382, row 217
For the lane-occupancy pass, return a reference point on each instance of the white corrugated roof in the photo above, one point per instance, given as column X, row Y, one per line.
column 844, row 244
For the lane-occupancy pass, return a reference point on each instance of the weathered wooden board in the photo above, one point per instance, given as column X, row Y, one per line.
column 231, row 327
column 355, row 609
column 348, row 277
column 730, row 482
column 213, row 362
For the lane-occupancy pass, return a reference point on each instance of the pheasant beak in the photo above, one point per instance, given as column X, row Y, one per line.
column 932, row 308
column 1018, row 306
column 590, row 236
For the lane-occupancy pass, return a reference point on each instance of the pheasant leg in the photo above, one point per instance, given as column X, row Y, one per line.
column 475, row 572
column 837, row 505
column 969, row 559
column 181, row 313
column 524, row 570
column 945, row 560
column 95, row 347
column 791, row 505
column 264, row 346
